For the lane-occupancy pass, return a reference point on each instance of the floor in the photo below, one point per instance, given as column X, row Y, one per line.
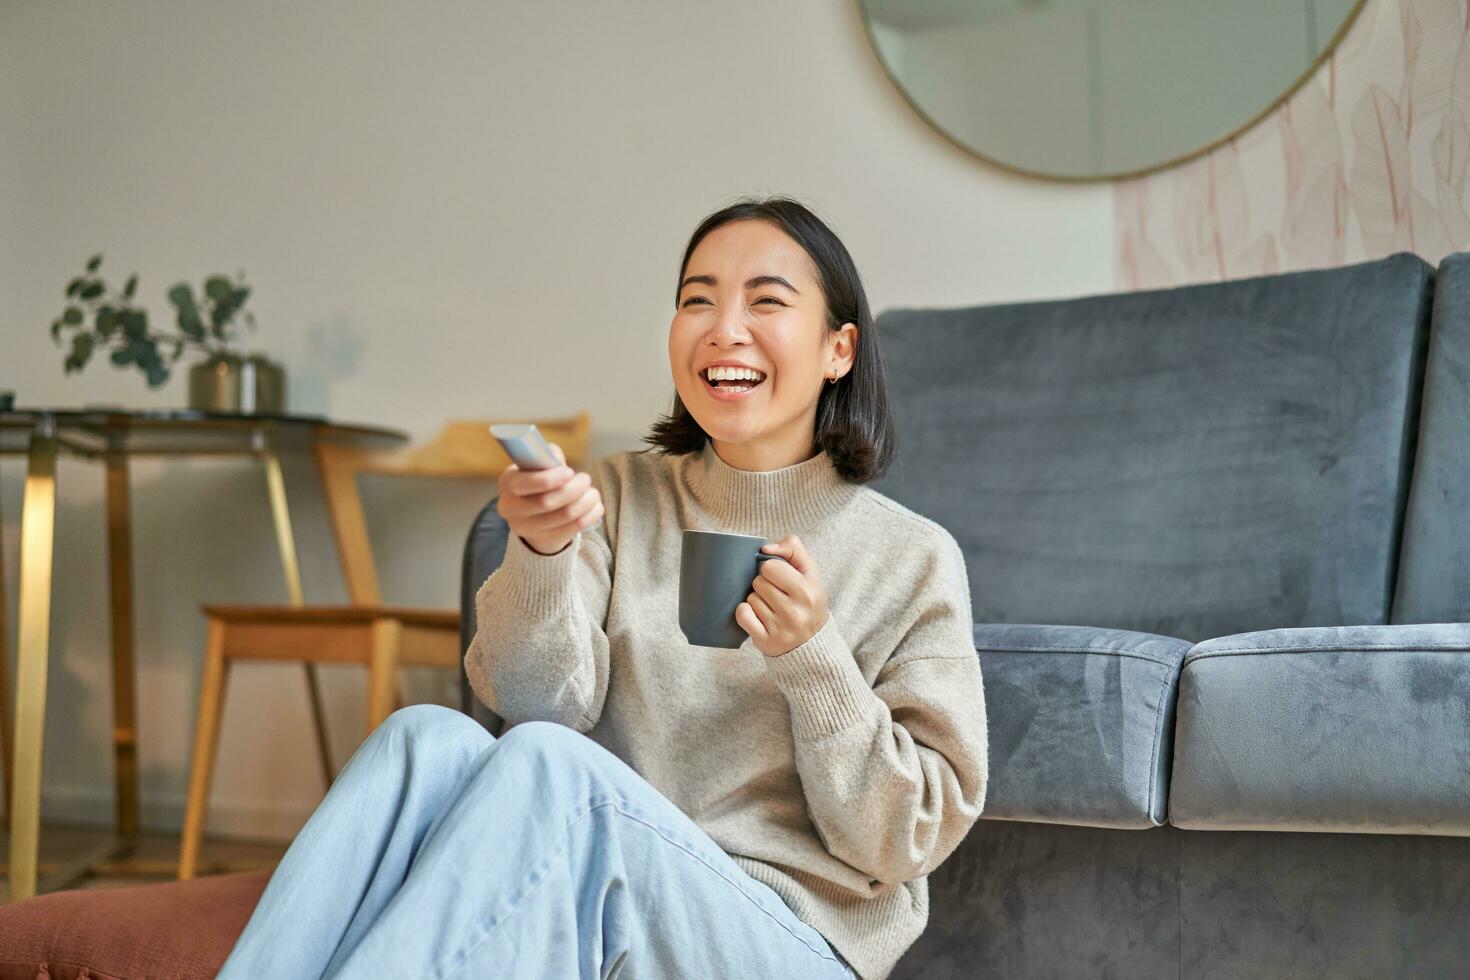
column 153, row 860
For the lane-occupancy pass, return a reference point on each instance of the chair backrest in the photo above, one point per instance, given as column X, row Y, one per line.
column 1194, row 462
column 462, row 449
column 484, row 550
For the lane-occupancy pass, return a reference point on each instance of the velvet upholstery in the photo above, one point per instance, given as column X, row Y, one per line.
column 1088, row 491
column 1192, row 462
column 1044, row 900
column 1081, row 723
column 1360, row 729
column 1434, row 569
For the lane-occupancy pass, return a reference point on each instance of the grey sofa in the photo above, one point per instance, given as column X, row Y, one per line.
column 1216, row 537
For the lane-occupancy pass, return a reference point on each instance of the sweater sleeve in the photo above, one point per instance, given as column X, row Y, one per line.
column 540, row 649
column 894, row 774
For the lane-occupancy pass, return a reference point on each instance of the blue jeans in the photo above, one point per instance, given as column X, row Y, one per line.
column 442, row 851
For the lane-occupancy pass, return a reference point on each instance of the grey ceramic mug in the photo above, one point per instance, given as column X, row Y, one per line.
column 715, row 575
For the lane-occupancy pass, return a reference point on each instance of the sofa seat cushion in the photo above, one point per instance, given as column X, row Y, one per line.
column 1362, row 729
column 177, row 929
column 1080, row 723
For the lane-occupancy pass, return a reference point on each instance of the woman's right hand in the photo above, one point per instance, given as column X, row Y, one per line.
column 548, row 507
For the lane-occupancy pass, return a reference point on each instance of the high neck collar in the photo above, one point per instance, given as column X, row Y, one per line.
column 768, row 503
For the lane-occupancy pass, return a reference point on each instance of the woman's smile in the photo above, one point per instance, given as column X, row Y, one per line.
column 731, row 383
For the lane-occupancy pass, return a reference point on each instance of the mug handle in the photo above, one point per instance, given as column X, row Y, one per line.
column 761, row 558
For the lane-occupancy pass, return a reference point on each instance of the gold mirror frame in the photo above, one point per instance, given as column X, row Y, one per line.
column 1321, row 59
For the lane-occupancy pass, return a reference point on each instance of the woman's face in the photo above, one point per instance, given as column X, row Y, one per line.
column 750, row 297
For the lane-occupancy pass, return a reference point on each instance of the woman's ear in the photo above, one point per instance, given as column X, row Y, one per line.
column 843, row 349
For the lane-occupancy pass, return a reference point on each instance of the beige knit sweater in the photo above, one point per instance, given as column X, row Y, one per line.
column 840, row 773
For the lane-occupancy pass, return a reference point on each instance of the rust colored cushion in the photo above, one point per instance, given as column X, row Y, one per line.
column 178, row 929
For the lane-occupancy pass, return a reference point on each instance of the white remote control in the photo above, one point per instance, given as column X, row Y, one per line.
column 525, row 445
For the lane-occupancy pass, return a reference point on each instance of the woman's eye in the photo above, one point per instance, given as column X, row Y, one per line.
column 695, row 299
column 770, row 299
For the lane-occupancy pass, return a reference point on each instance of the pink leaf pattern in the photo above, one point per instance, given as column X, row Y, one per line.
column 1258, row 260
column 1314, row 225
column 1452, row 214
column 1450, row 148
column 1452, row 144
column 1380, row 180
column 1432, row 33
column 1138, row 262
column 1360, row 35
column 1314, row 232
column 1309, row 140
column 1212, row 212
column 1428, row 228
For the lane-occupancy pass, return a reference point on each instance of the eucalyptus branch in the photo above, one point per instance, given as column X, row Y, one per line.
column 99, row 317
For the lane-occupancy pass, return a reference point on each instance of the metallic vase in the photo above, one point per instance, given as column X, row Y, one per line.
column 253, row 385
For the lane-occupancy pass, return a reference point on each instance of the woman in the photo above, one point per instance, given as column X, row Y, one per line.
column 658, row 809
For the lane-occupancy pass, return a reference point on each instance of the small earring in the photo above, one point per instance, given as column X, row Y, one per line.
column 832, row 381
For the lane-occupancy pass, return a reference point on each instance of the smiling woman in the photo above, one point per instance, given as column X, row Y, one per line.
column 773, row 349
column 773, row 810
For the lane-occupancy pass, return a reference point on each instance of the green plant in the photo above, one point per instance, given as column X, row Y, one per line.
column 98, row 317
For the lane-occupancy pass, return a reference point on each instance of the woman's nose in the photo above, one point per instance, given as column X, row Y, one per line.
column 731, row 326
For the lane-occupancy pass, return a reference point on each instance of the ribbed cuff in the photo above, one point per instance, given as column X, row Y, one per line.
column 822, row 683
column 540, row 584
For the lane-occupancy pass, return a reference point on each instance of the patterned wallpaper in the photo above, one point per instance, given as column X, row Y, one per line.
column 1368, row 158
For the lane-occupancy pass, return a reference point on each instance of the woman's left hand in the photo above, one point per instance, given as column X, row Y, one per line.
column 789, row 603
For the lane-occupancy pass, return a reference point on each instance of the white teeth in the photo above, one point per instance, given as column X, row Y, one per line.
column 733, row 374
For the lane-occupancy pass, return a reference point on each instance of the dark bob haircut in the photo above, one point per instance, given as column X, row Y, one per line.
column 853, row 425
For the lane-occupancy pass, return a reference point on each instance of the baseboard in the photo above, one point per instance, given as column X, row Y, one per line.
column 89, row 808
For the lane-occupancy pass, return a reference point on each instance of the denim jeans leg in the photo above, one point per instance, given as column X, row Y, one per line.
column 349, row 860
column 557, row 860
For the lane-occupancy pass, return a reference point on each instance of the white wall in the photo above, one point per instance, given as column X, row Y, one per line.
column 471, row 210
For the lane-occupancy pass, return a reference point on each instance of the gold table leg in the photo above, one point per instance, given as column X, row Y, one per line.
column 37, row 541
column 286, row 544
column 7, row 706
column 124, row 705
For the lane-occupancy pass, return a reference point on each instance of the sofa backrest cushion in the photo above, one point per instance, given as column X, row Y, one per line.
column 1433, row 584
column 1194, row 462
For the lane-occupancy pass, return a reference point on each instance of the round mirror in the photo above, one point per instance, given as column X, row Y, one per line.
column 1093, row 89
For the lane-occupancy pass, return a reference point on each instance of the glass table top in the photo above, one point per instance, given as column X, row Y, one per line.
column 88, row 430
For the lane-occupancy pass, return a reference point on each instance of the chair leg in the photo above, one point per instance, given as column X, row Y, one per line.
column 383, row 670
column 206, row 743
column 319, row 721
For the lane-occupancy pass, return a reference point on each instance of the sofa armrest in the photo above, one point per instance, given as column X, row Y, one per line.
column 1080, row 723
column 1357, row 729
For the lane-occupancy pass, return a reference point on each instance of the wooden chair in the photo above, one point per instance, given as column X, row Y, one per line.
column 366, row 631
